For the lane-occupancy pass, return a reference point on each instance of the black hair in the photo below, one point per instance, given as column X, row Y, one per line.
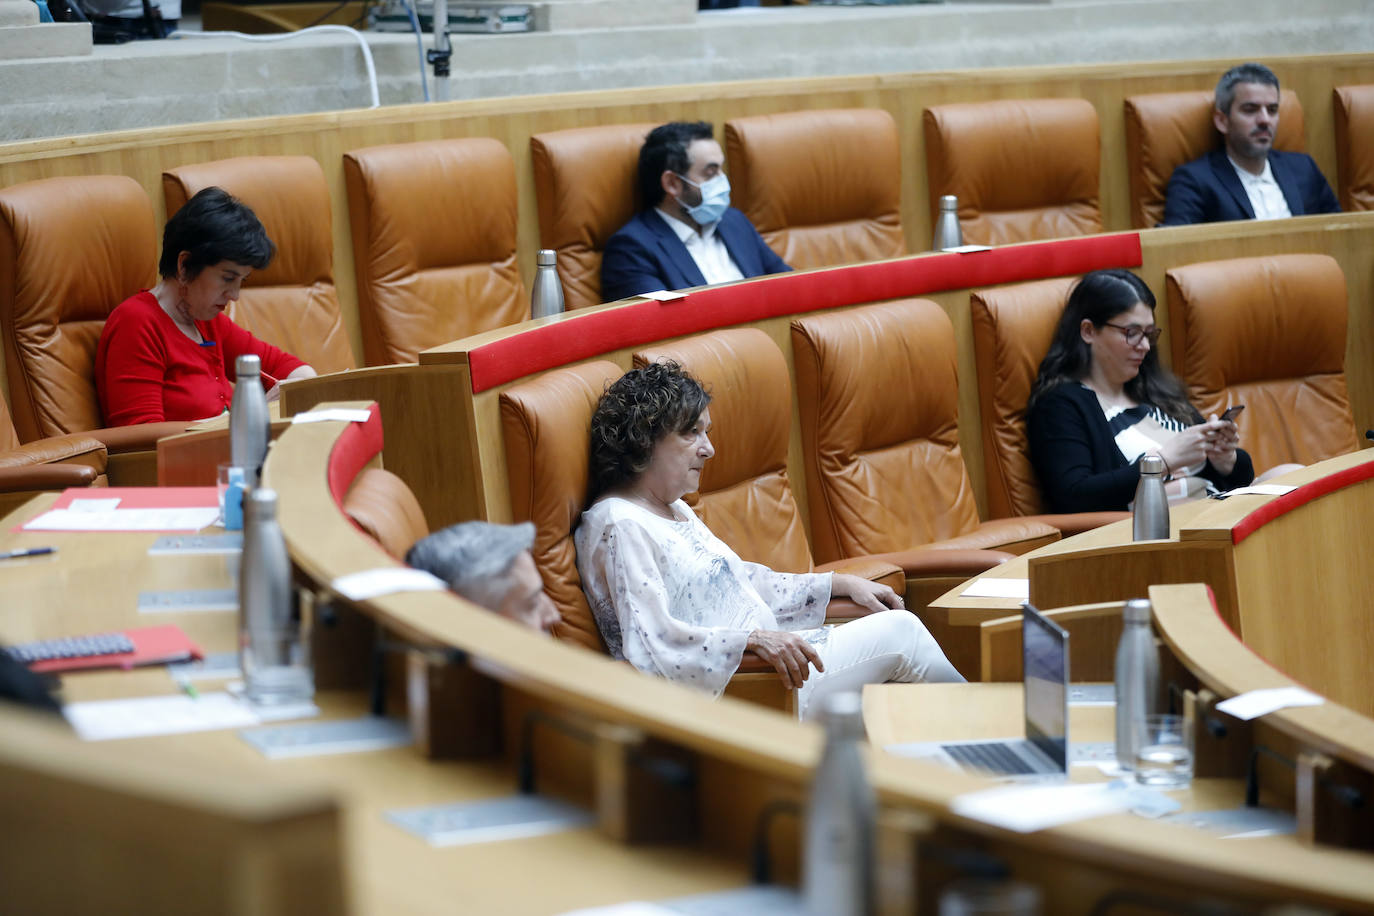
column 214, row 226
column 635, row 412
column 665, row 150
column 1099, row 297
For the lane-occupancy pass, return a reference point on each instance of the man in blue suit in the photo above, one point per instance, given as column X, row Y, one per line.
column 1246, row 178
column 686, row 233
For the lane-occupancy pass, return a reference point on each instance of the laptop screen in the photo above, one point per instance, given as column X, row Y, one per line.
column 1045, row 651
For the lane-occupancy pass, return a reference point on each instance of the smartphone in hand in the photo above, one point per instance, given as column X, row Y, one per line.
column 1231, row 413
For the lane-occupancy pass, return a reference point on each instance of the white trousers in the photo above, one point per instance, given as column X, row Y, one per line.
column 877, row 649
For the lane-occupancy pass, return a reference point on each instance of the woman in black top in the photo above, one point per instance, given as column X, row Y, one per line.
column 1102, row 400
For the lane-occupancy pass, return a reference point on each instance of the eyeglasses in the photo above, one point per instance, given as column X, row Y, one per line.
column 1134, row 332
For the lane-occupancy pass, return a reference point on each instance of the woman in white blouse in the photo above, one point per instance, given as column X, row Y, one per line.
column 675, row 601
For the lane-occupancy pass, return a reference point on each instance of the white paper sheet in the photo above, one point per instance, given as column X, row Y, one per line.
column 93, row 505
column 664, row 295
column 349, row 414
column 1026, row 809
column 167, row 715
column 994, row 587
column 180, row 519
column 1257, row 703
column 370, row 583
column 634, row 908
column 1262, row 489
column 968, row 249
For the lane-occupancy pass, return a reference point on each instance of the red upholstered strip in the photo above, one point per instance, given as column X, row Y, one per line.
column 1299, row 497
column 352, row 451
column 582, row 337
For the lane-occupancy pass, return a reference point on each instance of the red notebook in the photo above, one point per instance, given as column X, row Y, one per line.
column 152, row 646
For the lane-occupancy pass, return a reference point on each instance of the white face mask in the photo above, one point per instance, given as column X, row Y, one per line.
column 715, row 199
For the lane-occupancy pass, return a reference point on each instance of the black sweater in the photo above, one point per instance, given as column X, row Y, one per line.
column 1077, row 460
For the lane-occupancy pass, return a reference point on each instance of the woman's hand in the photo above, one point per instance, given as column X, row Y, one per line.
column 299, row 372
column 789, row 653
column 1187, row 448
column 872, row 595
column 1224, row 437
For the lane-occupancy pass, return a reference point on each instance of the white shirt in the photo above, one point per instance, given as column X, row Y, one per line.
column 706, row 248
column 673, row 600
column 1266, row 197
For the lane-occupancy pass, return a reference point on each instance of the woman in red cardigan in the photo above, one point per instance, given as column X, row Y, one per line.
column 168, row 353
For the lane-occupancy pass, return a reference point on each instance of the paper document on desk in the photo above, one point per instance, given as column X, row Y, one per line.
column 1261, row 489
column 168, row 715
column 370, row 583
column 77, row 519
column 997, row 587
column 349, row 414
column 1258, row 703
column 1026, row 809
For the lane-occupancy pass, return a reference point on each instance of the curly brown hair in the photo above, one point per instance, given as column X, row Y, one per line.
column 634, row 413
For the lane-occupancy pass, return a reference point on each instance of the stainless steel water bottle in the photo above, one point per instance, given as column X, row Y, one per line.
column 837, row 877
column 274, row 651
column 947, row 231
column 1150, row 512
column 250, row 426
column 547, row 298
column 1137, row 679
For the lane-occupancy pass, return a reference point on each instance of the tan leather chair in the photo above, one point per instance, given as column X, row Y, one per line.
column 1023, row 169
column 1354, row 112
column 746, row 495
column 433, row 229
column 71, row 249
column 546, row 423
column 292, row 303
column 1268, row 333
column 878, row 398
column 386, row 510
column 45, row 464
column 1167, row 129
column 821, row 187
column 1012, row 330
column 584, row 180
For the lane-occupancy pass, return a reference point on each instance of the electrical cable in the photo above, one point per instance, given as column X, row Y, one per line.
column 419, row 43
column 362, row 43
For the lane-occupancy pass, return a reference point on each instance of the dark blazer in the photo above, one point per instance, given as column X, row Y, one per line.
column 1207, row 190
column 645, row 255
column 1076, row 458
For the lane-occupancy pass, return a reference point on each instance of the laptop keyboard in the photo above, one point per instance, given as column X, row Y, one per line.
column 994, row 758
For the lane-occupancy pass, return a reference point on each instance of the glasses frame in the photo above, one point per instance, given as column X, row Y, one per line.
column 1133, row 332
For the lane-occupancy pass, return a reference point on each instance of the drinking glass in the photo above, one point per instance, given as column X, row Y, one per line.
column 1164, row 758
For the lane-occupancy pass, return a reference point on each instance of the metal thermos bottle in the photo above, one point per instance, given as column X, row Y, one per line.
column 250, row 426
column 837, row 877
column 947, row 231
column 274, row 652
column 1137, row 680
column 547, row 298
column 1151, row 509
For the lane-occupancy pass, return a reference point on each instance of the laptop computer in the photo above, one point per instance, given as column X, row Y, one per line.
column 1044, row 750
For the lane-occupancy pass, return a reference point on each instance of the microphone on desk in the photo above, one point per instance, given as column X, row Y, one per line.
column 1369, row 434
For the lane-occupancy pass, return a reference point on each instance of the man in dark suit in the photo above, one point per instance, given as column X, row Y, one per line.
column 686, row 233
column 1246, row 178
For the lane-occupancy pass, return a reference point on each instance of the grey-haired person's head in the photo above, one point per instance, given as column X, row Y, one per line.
column 490, row 565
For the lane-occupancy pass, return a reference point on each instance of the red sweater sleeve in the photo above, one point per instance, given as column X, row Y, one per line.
column 234, row 342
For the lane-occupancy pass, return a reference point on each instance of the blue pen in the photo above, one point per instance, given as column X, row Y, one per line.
column 26, row 552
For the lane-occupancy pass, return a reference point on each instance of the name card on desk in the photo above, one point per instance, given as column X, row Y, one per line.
column 997, row 587
column 1258, row 703
column 370, row 583
column 348, row 414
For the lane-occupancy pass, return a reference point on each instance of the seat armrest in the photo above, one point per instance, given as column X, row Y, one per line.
column 1071, row 523
column 921, row 562
column 750, row 663
column 47, row 477
column 880, row 571
column 141, row 437
column 56, row 449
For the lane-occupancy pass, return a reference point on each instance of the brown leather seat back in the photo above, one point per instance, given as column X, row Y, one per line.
column 433, row 228
column 383, row 506
column 1354, row 112
column 746, row 497
column 878, row 395
column 1268, row 333
column 821, row 187
column 292, row 303
column 1167, row 129
column 1012, row 330
column 584, row 179
column 71, row 249
column 1023, row 169
column 547, row 427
